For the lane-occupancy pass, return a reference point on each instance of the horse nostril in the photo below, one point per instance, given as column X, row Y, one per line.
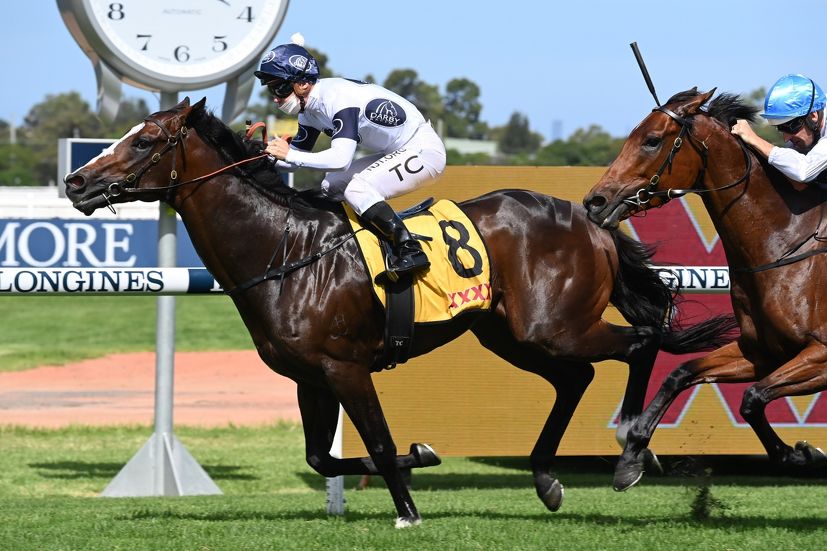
column 74, row 180
column 595, row 202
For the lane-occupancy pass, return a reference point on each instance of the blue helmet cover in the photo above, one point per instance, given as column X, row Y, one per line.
column 288, row 62
column 792, row 96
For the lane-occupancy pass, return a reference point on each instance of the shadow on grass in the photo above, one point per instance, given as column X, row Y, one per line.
column 608, row 522
column 75, row 470
column 596, row 472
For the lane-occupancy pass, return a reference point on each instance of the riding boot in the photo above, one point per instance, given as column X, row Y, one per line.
column 408, row 253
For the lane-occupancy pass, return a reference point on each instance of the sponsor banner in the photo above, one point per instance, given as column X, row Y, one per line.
column 465, row 401
column 72, row 243
column 108, row 281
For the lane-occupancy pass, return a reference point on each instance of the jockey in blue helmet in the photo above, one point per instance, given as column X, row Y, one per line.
column 795, row 107
column 401, row 151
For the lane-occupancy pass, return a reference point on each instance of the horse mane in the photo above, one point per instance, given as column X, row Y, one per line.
column 728, row 108
column 234, row 147
column 725, row 107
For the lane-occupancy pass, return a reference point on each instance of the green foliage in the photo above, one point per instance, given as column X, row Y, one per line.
column 463, row 109
column 590, row 147
column 517, row 137
column 426, row 97
column 17, row 164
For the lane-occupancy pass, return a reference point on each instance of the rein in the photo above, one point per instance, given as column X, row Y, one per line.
column 646, row 194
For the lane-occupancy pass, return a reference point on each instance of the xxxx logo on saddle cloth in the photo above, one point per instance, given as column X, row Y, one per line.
column 459, row 278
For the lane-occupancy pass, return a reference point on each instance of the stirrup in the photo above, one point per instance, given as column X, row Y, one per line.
column 396, row 266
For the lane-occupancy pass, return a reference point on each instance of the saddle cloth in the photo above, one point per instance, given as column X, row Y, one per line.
column 459, row 278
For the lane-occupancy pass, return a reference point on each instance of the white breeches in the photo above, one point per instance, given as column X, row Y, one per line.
column 378, row 177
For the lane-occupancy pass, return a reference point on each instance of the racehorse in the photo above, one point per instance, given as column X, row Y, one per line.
column 317, row 322
column 770, row 231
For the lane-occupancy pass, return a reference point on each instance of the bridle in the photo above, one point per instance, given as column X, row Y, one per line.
column 644, row 195
column 129, row 185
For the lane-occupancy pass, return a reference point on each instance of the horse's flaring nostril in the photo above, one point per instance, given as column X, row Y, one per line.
column 75, row 181
column 595, row 202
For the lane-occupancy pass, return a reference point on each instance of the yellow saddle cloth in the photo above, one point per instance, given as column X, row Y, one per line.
column 459, row 278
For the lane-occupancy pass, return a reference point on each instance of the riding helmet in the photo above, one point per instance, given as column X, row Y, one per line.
column 790, row 97
column 291, row 62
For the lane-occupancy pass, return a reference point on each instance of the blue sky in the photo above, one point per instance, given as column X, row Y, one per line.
column 552, row 61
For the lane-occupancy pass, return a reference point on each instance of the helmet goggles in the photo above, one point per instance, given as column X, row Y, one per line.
column 280, row 88
column 791, row 127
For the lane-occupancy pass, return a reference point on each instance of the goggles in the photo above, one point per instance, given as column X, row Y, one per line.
column 791, row 127
column 280, row 88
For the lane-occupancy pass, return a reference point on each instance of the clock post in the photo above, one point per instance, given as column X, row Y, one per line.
column 169, row 46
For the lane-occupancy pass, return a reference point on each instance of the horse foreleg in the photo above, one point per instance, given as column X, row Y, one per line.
column 725, row 365
column 353, row 387
column 804, row 374
column 320, row 414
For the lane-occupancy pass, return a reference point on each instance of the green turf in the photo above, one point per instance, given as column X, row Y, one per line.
column 53, row 330
column 272, row 500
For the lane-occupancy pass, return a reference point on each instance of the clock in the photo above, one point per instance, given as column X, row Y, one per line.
column 173, row 45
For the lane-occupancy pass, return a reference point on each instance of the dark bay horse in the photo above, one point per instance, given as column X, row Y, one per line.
column 553, row 275
column 772, row 235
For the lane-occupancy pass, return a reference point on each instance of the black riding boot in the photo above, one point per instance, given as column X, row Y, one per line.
column 407, row 250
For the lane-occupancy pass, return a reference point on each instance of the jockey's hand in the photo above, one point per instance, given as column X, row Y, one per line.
column 278, row 147
column 743, row 129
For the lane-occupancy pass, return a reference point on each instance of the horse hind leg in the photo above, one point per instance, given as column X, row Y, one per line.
column 570, row 380
column 803, row 375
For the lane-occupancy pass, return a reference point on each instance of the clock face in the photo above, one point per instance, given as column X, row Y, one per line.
column 180, row 44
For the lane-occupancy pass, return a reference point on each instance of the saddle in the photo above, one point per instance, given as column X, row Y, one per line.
column 458, row 280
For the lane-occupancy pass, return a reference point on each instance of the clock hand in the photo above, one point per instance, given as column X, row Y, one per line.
column 224, row 2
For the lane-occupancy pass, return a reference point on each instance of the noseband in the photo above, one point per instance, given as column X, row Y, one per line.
column 644, row 195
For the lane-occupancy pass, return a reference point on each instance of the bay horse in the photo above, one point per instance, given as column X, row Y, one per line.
column 770, row 229
column 553, row 275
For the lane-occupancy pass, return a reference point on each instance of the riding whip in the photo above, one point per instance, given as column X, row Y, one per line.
column 643, row 70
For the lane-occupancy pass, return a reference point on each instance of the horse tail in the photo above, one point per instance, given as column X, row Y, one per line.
column 644, row 299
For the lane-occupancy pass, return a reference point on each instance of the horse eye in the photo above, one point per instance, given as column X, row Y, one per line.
column 652, row 142
column 142, row 143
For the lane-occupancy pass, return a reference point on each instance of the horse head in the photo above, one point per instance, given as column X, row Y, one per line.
column 139, row 166
column 649, row 171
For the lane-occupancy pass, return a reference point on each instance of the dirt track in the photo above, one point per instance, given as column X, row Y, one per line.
column 210, row 389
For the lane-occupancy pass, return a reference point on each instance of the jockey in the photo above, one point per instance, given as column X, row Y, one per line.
column 795, row 106
column 404, row 150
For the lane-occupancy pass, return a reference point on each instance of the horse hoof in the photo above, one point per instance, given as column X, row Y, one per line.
column 651, row 462
column 627, row 475
column 403, row 522
column 813, row 455
column 425, row 455
column 552, row 498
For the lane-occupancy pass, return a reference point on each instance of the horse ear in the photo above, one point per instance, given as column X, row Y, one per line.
column 694, row 105
column 183, row 104
column 200, row 104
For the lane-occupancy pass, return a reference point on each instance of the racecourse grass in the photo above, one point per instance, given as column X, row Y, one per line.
column 54, row 330
column 49, row 480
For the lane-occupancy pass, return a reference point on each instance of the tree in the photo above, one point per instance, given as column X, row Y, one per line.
column 516, row 136
column 17, row 165
column 67, row 116
column 424, row 96
column 585, row 147
column 462, row 109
